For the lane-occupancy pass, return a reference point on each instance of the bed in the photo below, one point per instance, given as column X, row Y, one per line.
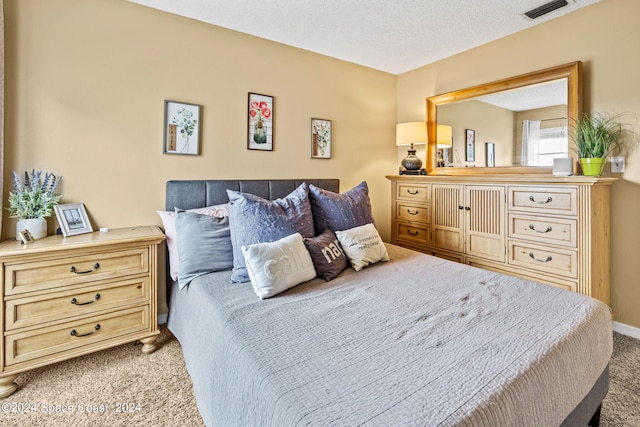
column 416, row 340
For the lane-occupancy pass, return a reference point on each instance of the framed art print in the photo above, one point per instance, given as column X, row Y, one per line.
column 72, row 219
column 470, row 145
column 321, row 139
column 181, row 128
column 260, row 122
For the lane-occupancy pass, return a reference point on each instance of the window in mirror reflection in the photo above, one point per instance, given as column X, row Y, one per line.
column 540, row 145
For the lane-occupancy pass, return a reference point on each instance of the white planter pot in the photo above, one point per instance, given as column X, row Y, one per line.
column 37, row 227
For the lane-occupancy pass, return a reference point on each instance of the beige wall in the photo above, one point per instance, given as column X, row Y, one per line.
column 86, row 81
column 604, row 37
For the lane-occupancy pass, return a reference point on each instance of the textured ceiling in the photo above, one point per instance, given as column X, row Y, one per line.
column 392, row 36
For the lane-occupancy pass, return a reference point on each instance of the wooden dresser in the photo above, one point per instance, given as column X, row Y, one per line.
column 66, row 297
column 553, row 230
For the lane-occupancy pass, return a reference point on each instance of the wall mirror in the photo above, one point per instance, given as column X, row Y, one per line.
column 515, row 125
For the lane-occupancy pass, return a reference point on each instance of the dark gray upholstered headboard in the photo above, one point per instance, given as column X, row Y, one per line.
column 191, row 194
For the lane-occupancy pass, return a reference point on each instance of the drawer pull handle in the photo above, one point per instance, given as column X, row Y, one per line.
column 413, row 233
column 540, row 231
column 467, row 208
column 75, row 301
column 413, row 213
column 95, row 329
column 460, row 207
column 549, row 200
column 413, row 193
column 549, row 258
column 95, row 267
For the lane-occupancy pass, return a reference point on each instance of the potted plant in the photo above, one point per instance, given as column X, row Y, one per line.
column 596, row 136
column 32, row 199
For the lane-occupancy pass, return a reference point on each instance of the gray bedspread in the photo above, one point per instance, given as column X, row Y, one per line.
column 416, row 341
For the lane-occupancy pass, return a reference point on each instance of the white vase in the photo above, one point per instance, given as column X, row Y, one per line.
column 36, row 226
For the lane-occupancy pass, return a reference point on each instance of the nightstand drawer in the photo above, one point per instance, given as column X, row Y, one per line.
column 57, row 272
column 555, row 231
column 555, row 200
column 415, row 234
column 414, row 192
column 545, row 260
column 412, row 213
column 54, row 341
column 34, row 310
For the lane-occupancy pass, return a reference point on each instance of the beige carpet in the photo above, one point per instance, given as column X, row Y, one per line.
column 156, row 390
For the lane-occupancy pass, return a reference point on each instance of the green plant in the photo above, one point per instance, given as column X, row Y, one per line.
column 33, row 197
column 597, row 135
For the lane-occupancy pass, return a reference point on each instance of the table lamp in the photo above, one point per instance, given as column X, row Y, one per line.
column 411, row 133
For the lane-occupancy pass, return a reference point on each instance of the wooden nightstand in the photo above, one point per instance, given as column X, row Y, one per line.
column 64, row 297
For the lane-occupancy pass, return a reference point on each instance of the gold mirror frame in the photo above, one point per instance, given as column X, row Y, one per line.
column 572, row 72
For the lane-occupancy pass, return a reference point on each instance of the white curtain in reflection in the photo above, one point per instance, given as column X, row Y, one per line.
column 530, row 142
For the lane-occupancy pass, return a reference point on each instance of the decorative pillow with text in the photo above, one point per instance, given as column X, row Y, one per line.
column 327, row 255
column 363, row 246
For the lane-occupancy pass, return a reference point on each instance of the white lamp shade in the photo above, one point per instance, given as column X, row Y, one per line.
column 411, row 133
column 443, row 136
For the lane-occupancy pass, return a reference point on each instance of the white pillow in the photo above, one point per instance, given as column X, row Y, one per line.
column 169, row 224
column 362, row 245
column 277, row 266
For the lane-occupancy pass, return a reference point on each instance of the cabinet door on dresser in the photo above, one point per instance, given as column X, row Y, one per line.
column 469, row 219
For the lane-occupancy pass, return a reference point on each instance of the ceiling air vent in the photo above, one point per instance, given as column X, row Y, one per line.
column 546, row 8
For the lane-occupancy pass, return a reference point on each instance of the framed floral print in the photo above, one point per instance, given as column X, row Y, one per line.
column 260, row 122
column 321, row 139
column 470, row 145
column 181, row 128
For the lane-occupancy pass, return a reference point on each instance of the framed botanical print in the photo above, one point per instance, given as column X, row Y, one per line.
column 321, row 139
column 470, row 145
column 260, row 122
column 181, row 128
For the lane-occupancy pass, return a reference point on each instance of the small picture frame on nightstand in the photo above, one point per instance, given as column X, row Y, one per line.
column 73, row 219
column 26, row 237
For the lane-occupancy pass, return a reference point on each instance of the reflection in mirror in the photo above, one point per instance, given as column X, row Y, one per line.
column 526, row 118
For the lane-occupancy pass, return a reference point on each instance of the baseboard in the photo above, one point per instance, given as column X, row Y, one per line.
column 162, row 319
column 626, row 330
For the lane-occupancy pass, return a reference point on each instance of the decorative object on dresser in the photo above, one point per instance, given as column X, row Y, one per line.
column 68, row 296
column 260, row 122
column 551, row 230
column 595, row 137
column 321, row 139
column 32, row 200
column 563, row 166
column 73, row 219
column 411, row 133
column 181, row 128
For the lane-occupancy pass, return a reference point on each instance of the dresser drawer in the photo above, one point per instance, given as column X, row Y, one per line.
column 34, row 310
column 57, row 272
column 543, row 259
column 553, row 200
column 415, row 234
column 55, row 341
column 414, row 192
column 412, row 213
column 556, row 231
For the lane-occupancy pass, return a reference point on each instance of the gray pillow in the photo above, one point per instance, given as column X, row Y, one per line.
column 256, row 220
column 327, row 255
column 342, row 211
column 204, row 245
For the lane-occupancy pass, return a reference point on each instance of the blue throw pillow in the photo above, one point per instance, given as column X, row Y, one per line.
column 257, row 220
column 339, row 212
column 204, row 245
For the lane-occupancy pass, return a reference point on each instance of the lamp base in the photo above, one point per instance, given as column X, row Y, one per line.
column 403, row 171
column 411, row 162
